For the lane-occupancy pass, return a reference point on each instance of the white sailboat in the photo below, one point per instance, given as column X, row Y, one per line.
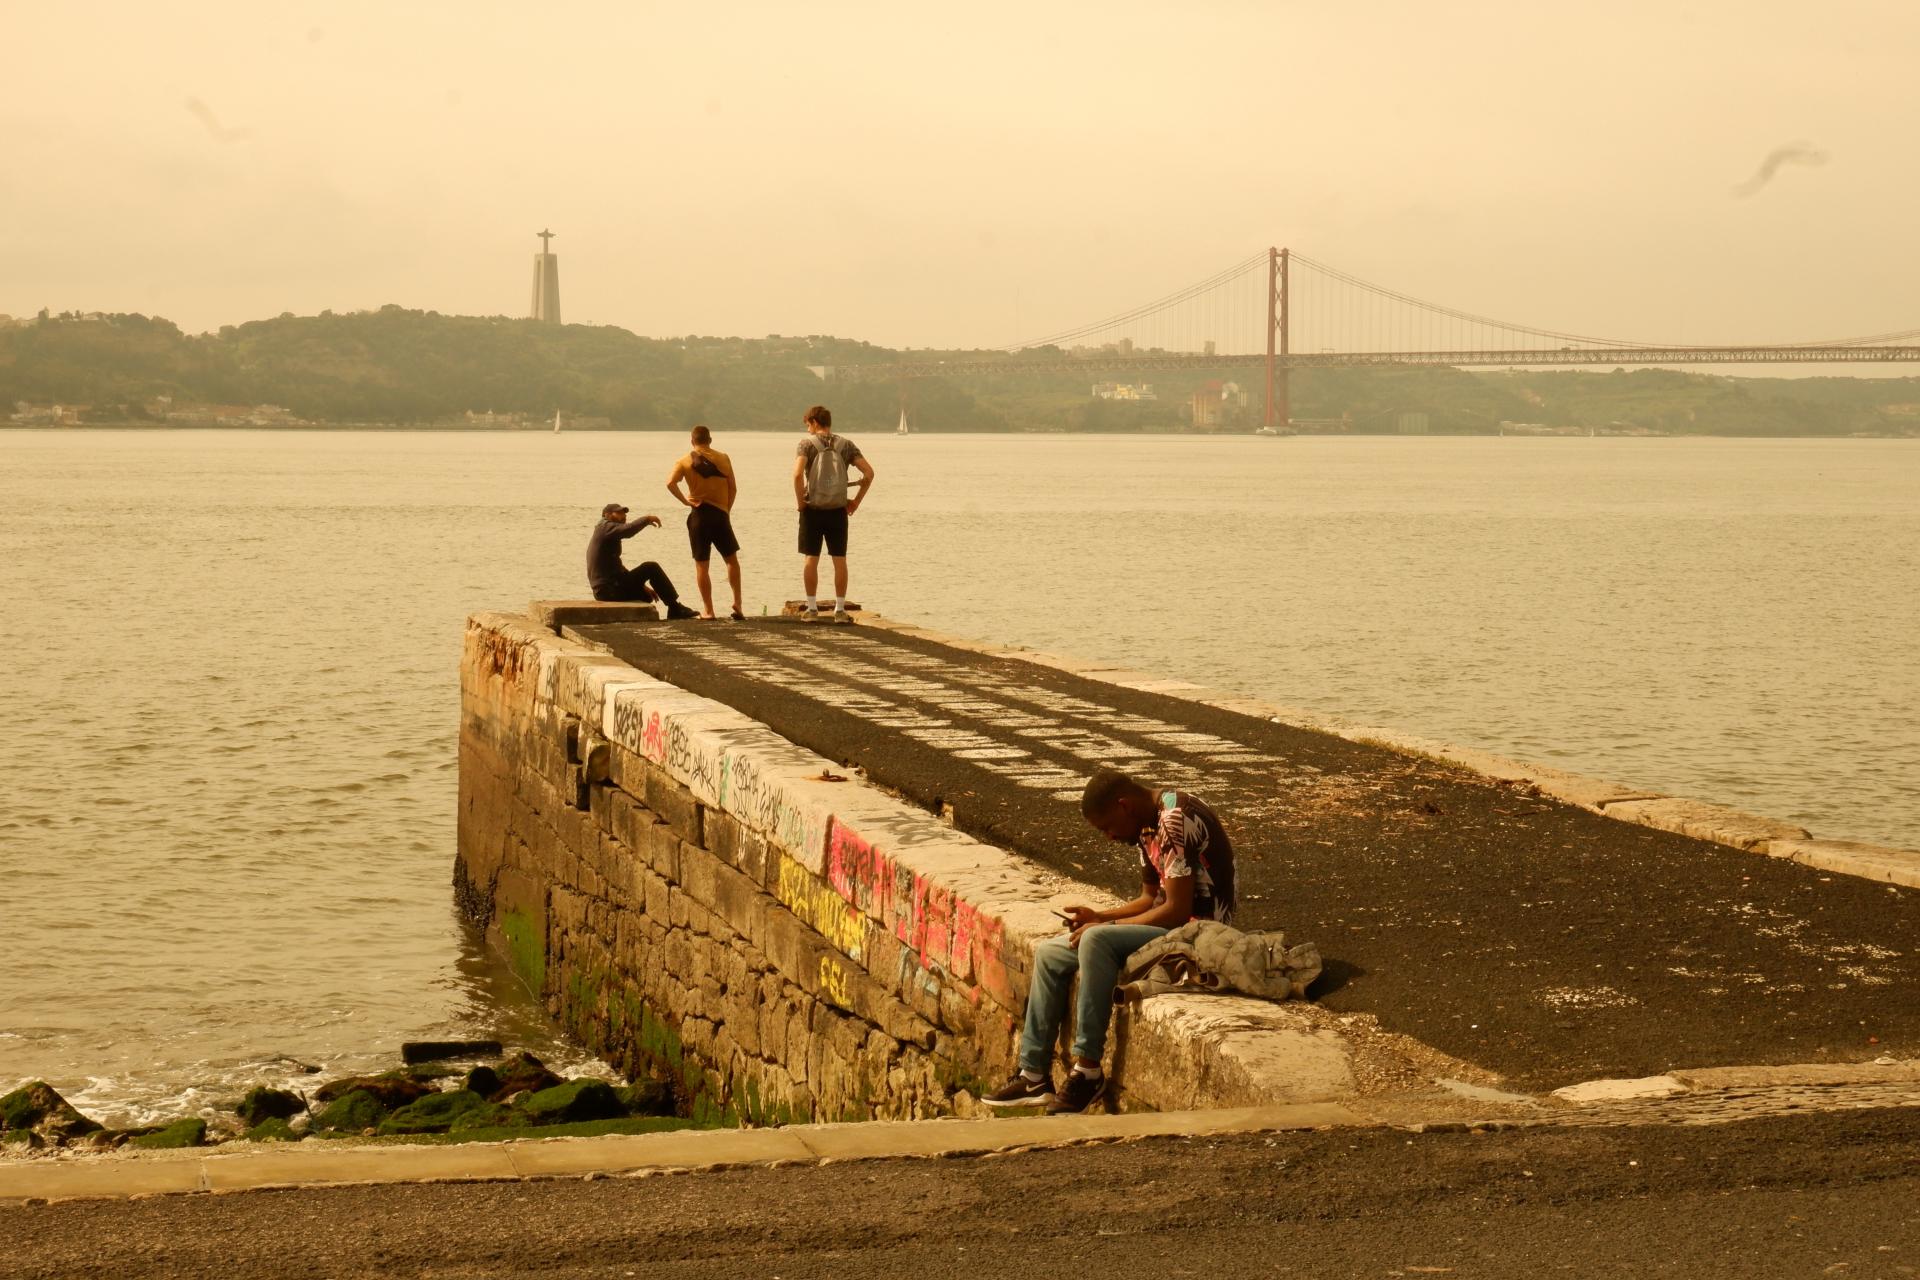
column 902, row 429
column 557, row 416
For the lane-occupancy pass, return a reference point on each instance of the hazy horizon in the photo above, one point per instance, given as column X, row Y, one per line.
column 922, row 181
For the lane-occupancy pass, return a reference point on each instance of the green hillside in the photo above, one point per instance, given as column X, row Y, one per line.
column 400, row 367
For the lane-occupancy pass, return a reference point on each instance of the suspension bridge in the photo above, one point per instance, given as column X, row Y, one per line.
column 1283, row 310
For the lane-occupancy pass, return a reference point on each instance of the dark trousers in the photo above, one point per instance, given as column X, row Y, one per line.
column 642, row 582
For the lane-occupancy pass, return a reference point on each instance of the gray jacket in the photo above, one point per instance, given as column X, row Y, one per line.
column 1207, row 956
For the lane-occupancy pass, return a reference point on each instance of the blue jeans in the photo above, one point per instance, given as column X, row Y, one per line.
column 1103, row 948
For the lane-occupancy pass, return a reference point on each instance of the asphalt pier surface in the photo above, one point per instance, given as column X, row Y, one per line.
column 1531, row 937
column 1788, row 1196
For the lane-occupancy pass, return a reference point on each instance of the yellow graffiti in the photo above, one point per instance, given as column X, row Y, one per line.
column 833, row 982
column 815, row 902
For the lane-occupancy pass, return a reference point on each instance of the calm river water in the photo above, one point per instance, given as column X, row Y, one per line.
column 226, row 822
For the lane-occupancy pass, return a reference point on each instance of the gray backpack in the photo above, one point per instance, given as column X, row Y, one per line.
column 827, row 472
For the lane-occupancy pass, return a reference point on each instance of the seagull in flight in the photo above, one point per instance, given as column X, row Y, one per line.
column 1792, row 153
column 204, row 114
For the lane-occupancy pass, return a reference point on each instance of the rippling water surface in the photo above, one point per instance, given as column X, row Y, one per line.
column 228, row 758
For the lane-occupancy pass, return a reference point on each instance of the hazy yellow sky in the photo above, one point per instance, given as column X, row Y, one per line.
column 961, row 175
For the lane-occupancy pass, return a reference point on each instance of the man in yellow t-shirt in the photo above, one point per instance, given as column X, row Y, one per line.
column 708, row 475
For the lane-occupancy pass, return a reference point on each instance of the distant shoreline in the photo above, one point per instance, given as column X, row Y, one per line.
column 315, row 428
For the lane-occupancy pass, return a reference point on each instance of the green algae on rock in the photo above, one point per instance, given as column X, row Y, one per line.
column 191, row 1132
column 573, row 1101
column 263, row 1103
column 274, row 1129
column 391, row 1089
column 434, row 1113
column 522, row 1073
column 36, row 1110
column 353, row 1112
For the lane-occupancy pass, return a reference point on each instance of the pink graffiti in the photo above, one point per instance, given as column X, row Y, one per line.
column 654, row 741
column 946, row 934
column 981, row 940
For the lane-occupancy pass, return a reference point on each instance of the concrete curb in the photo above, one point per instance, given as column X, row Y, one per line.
column 1683, row 1096
column 629, row 1155
column 1714, row 823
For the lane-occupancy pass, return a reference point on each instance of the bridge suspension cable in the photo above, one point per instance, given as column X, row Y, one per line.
column 1235, row 274
column 1330, row 311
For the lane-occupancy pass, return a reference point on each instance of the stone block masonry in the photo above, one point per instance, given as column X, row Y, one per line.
column 692, row 894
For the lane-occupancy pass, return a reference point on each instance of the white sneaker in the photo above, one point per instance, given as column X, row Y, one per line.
column 810, row 613
column 841, row 615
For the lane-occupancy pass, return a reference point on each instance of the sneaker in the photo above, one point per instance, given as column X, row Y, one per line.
column 1079, row 1094
column 675, row 612
column 1019, row 1091
column 809, row 613
column 841, row 615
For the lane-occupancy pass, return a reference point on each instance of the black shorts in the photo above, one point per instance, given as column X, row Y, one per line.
column 818, row 524
column 710, row 529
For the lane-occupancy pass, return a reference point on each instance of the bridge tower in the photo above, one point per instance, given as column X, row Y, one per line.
column 546, row 281
column 1279, row 407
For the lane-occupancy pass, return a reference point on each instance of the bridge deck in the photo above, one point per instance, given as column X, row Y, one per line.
column 1537, row 939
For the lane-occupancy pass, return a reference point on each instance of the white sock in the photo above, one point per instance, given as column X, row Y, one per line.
column 1032, row 1077
column 1091, row 1073
column 840, row 603
column 812, row 603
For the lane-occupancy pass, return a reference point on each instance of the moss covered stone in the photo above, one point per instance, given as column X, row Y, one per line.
column 484, row 1081
column 191, row 1132
column 354, row 1112
column 647, row 1098
column 274, row 1129
column 585, row 1129
column 434, row 1113
column 38, row 1109
column 522, row 1073
column 392, row 1089
column 263, row 1103
column 491, row 1115
column 569, row 1103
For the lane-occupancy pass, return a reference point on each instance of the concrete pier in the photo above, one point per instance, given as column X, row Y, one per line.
column 1475, row 927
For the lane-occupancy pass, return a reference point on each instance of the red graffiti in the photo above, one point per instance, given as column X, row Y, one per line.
column 654, row 741
column 946, row 934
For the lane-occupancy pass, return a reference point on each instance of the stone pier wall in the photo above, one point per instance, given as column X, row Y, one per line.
column 690, row 893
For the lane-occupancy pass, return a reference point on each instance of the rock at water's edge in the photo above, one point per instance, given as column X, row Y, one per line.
column 274, row 1129
column 391, row 1089
column 573, row 1101
column 488, row 1115
column 191, row 1132
column 647, row 1098
column 522, row 1073
column 262, row 1104
column 434, row 1113
column 413, row 1051
column 37, row 1109
column 355, row 1112
column 484, row 1081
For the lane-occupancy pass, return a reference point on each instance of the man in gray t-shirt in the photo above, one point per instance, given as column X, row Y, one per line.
column 820, row 467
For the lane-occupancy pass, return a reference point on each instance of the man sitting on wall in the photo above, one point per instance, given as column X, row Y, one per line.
column 1186, row 873
column 612, row 580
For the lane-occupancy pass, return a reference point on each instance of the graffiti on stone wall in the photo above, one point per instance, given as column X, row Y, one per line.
column 945, row 935
column 816, row 903
column 834, row 982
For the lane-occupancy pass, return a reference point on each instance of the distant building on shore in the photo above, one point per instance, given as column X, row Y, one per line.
column 546, row 282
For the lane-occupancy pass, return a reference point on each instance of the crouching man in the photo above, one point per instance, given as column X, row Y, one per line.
column 1186, row 873
column 612, row 580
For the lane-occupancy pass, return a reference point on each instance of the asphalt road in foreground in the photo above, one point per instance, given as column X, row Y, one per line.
column 1539, row 940
column 1814, row 1195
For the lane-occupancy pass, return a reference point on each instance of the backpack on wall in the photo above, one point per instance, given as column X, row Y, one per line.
column 827, row 474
